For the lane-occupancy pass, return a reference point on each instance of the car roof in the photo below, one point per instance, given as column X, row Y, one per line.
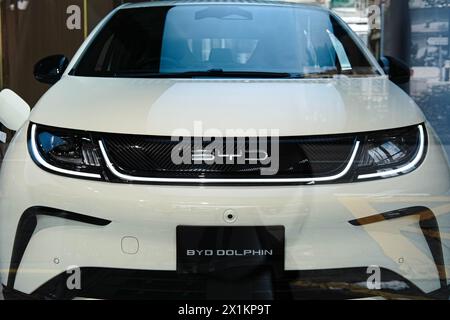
column 213, row 2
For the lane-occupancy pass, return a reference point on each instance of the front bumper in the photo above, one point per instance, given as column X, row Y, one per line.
column 317, row 220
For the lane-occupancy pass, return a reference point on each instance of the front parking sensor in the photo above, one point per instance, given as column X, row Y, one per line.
column 230, row 216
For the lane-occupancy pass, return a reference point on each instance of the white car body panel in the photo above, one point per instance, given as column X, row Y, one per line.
column 294, row 107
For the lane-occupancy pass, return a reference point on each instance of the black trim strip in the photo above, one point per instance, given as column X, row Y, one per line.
column 26, row 226
column 429, row 227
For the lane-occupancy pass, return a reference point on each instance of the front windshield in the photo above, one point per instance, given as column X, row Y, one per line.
column 221, row 40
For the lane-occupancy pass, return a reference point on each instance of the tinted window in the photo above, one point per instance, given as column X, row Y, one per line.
column 228, row 38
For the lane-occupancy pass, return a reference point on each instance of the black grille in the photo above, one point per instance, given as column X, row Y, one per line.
column 305, row 157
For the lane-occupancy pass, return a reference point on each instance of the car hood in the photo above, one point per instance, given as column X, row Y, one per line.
column 195, row 106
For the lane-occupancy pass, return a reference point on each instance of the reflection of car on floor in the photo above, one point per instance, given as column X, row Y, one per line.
column 89, row 182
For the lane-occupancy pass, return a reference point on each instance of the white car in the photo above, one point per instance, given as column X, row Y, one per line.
column 222, row 150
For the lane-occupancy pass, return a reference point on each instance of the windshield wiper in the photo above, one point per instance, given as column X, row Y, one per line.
column 213, row 73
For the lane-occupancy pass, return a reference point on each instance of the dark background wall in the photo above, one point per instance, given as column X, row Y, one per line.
column 40, row 30
column 397, row 30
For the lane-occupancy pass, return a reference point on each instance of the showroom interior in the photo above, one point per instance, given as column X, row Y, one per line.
column 416, row 32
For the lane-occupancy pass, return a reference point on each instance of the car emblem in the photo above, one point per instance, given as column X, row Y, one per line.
column 202, row 155
column 208, row 155
column 230, row 156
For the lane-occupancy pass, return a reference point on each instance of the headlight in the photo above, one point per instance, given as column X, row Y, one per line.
column 390, row 153
column 65, row 152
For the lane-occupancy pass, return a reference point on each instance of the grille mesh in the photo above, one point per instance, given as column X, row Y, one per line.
column 305, row 157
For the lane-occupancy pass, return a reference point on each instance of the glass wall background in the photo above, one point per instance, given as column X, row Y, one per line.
column 430, row 60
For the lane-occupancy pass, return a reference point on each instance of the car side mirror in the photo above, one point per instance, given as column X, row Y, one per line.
column 399, row 72
column 14, row 111
column 50, row 69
